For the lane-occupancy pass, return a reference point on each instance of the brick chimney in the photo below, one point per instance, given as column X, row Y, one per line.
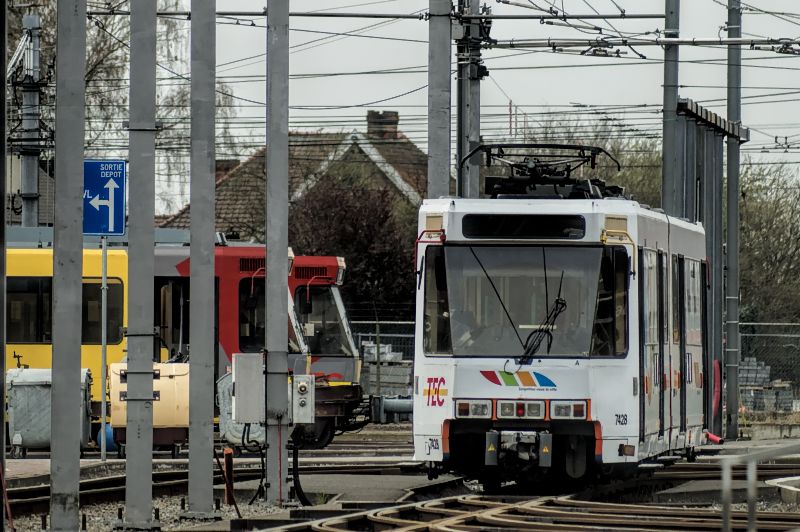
column 382, row 124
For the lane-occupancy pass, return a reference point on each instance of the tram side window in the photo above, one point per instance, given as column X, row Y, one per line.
column 91, row 332
column 676, row 301
column 437, row 312
column 610, row 333
column 29, row 310
column 693, row 301
column 648, row 271
column 252, row 316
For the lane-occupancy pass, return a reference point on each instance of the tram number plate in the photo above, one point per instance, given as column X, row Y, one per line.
column 431, row 444
column 622, row 419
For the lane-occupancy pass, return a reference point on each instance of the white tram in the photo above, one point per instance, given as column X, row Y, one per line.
column 561, row 336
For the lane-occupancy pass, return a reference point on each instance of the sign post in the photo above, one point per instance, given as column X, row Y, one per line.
column 103, row 186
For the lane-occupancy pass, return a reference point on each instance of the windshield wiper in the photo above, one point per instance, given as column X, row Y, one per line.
column 534, row 340
column 499, row 299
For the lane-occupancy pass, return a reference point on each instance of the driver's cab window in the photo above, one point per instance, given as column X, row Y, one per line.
column 321, row 321
column 252, row 316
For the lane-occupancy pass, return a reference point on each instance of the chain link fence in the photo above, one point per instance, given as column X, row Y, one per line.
column 769, row 370
column 387, row 349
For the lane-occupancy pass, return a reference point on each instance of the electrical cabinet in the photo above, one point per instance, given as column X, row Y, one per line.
column 247, row 393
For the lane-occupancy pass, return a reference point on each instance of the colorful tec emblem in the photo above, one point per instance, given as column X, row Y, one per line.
column 435, row 392
column 526, row 379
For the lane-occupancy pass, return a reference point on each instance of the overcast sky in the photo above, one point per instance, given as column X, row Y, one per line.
column 533, row 80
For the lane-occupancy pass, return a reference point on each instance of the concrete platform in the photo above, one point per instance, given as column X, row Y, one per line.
column 708, row 492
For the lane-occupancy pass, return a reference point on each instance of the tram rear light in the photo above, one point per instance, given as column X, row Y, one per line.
column 520, row 409
column 627, row 450
column 474, row 409
column 506, row 409
column 568, row 409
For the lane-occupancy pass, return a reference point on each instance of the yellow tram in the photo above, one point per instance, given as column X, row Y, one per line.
column 29, row 289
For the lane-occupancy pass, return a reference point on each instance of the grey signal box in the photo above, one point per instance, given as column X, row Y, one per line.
column 303, row 399
column 247, row 392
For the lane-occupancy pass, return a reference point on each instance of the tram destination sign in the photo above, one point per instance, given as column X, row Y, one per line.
column 104, row 197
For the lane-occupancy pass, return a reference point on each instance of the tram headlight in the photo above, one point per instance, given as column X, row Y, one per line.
column 535, row 409
column 568, row 409
column 479, row 409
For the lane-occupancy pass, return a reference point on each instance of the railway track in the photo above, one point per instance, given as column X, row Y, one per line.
column 481, row 512
column 711, row 471
column 36, row 499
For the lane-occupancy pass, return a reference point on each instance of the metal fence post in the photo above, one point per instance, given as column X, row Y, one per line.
column 378, row 386
column 726, row 494
column 68, row 264
column 752, row 495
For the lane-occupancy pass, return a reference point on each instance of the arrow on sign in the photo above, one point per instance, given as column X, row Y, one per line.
column 96, row 202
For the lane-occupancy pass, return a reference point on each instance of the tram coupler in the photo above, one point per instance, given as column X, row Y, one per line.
column 528, row 445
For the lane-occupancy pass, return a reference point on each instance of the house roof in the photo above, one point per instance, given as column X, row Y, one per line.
column 311, row 156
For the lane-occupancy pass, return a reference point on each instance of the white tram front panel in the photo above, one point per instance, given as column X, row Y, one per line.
column 607, row 381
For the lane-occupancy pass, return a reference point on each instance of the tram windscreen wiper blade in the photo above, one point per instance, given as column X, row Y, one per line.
column 534, row 340
column 499, row 299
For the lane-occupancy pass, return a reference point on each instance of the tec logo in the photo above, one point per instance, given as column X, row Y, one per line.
column 435, row 391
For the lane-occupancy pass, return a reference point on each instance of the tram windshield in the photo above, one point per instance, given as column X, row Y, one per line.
column 253, row 318
column 321, row 314
column 525, row 301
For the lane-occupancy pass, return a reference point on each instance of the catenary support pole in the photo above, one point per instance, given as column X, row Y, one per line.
column 473, row 92
column 732, row 292
column 462, row 97
column 3, row 6
column 277, row 222
column 671, row 164
column 103, row 344
column 439, row 57
column 139, row 433
column 201, row 264
column 30, row 149
column 68, row 264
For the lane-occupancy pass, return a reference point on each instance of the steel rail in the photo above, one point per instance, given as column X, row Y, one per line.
column 29, row 499
column 475, row 512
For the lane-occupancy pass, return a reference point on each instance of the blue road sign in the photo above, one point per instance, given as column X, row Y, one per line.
column 104, row 197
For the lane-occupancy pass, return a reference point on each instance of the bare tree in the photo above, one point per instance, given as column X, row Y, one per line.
column 108, row 86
